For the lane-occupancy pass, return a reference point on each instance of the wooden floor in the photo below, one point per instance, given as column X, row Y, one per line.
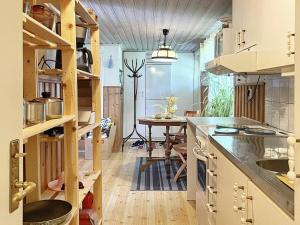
column 122, row 206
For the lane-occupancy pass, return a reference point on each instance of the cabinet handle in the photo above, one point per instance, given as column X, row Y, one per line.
column 239, row 38
column 245, row 221
column 236, row 187
column 290, row 44
column 212, row 156
column 211, row 173
column 210, row 208
column 211, row 189
column 243, row 37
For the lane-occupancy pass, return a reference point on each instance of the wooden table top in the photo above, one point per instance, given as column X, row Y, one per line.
column 175, row 121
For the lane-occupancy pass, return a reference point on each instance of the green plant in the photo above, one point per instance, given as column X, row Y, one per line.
column 221, row 105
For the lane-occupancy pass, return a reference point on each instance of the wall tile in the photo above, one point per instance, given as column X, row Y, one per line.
column 268, row 112
column 284, row 116
column 275, row 114
column 284, row 90
column 269, row 89
column 291, row 118
column 291, row 90
column 276, row 90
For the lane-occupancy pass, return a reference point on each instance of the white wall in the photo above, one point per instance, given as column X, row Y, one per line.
column 110, row 76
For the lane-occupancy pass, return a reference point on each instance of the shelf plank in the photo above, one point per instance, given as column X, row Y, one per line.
column 46, row 138
column 85, row 75
column 85, row 14
column 39, row 128
column 51, row 72
column 80, row 9
column 88, row 184
column 85, row 129
column 38, row 34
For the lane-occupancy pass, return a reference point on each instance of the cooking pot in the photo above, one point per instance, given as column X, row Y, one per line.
column 54, row 106
column 44, row 15
column 46, row 212
column 35, row 112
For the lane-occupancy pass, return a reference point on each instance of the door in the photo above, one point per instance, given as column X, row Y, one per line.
column 11, row 95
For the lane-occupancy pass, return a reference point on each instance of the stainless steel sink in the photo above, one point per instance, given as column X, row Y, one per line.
column 274, row 165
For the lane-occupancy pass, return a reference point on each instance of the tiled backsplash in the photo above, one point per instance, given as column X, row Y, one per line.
column 279, row 100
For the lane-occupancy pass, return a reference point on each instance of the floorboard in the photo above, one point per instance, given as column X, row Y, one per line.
column 122, row 206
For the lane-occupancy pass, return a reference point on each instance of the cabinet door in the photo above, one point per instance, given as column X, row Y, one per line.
column 232, row 184
column 11, row 97
column 237, row 17
column 263, row 211
column 276, row 21
column 249, row 24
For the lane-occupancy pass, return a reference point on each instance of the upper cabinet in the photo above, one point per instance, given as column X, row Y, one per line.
column 276, row 34
column 244, row 20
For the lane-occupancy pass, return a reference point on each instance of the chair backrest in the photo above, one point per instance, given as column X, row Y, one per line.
column 190, row 113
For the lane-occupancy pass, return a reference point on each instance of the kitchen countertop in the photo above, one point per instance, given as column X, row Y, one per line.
column 203, row 123
column 244, row 151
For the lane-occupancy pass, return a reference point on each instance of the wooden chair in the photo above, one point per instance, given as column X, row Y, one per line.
column 181, row 150
column 180, row 135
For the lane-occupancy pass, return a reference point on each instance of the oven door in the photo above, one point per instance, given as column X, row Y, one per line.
column 201, row 202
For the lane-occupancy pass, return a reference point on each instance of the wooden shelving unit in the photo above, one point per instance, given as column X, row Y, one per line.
column 36, row 36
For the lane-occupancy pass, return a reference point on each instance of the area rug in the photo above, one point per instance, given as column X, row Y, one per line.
column 154, row 178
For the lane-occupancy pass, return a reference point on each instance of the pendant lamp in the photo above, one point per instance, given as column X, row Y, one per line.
column 164, row 53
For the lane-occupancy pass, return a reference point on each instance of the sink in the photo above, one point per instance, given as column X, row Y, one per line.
column 274, row 165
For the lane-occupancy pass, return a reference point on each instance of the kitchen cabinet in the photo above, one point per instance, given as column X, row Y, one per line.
column 231, row 186
column 261, row 210
column 276, row 29
column 244, row 21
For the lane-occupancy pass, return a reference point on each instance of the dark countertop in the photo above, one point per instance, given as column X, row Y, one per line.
column 202, row 122
column 244, row 151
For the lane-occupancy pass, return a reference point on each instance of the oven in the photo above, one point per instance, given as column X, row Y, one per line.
column 206, row 182
column 200, row 153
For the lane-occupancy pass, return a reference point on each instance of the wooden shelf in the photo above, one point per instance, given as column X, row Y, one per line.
column 88, row 184
column 58, row 73
column 39, row 128
column 85, row 14
column 46, row 138
column 88, row 128
column 36, row 35
column 51, row 72
column 85, row 75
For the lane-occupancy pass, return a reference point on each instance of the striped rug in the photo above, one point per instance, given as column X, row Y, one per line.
column 154, row 178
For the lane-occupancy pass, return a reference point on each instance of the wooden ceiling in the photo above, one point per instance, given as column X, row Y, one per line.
column 138, row 24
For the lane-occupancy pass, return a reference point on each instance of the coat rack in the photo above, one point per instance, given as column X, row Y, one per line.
column 134, row 69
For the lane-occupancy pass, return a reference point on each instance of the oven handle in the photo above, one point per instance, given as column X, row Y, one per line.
column 198, row 156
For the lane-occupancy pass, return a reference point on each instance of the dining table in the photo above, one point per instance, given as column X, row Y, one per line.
column 175, row 121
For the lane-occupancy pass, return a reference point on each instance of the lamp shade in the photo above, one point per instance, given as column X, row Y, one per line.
column 164, row 54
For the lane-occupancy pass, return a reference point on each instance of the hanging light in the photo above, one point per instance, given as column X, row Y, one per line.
column 164, row 53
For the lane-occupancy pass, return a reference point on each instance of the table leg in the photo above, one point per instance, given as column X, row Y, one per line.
column 150, row 148
column 168, row 153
